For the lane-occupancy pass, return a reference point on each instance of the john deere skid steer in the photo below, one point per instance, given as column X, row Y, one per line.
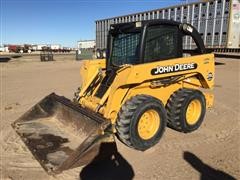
column 148, row 80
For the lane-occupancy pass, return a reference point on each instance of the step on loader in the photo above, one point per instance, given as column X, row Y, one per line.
column 149, row 80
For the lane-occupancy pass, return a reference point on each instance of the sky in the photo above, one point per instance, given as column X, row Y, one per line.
column 63, row 21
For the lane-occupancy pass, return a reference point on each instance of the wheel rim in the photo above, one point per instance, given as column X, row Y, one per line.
column 148, row 124
column 194, row 110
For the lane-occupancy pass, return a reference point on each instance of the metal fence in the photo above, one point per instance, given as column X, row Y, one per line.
column 217, row 21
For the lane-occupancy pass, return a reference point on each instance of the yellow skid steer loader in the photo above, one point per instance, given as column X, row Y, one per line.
column 148, row 80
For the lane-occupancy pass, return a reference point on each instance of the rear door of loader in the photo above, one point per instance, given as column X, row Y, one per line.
column 62, row 135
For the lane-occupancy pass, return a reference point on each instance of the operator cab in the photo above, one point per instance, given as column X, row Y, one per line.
column 148, row 41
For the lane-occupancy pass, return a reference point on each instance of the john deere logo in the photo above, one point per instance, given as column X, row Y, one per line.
column 173, row 68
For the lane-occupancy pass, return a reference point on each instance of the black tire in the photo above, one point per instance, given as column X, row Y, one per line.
column 99, row 54
column 177, row 107
column 129, row 116
column 104, row 55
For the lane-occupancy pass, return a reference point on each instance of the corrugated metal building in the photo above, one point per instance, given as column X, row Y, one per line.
column 218, row 21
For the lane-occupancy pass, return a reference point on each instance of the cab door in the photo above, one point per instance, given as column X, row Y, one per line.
column 162, row 42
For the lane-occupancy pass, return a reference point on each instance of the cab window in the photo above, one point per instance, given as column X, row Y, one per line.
column 162, row 42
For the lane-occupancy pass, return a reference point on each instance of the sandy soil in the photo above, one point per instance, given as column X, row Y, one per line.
column 212, row 152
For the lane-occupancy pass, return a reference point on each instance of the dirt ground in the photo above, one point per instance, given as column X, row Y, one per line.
column 212, row 152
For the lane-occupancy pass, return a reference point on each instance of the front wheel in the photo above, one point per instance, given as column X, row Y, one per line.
column 141, row 122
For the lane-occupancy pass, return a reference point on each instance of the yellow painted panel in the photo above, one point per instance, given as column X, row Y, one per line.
column 132, row 80
column 89, row 67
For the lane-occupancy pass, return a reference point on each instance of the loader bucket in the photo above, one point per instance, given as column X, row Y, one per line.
column 62, row 135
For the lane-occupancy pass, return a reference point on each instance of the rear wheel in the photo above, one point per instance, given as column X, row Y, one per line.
column 186, row 110
column 141, row 122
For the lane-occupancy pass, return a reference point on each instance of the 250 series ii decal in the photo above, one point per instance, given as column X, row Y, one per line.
column 173, row 68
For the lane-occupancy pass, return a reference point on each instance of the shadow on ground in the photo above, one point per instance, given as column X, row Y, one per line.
column 206, row 171
column 4, row 59
column 16, row 56
column 114, row 166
